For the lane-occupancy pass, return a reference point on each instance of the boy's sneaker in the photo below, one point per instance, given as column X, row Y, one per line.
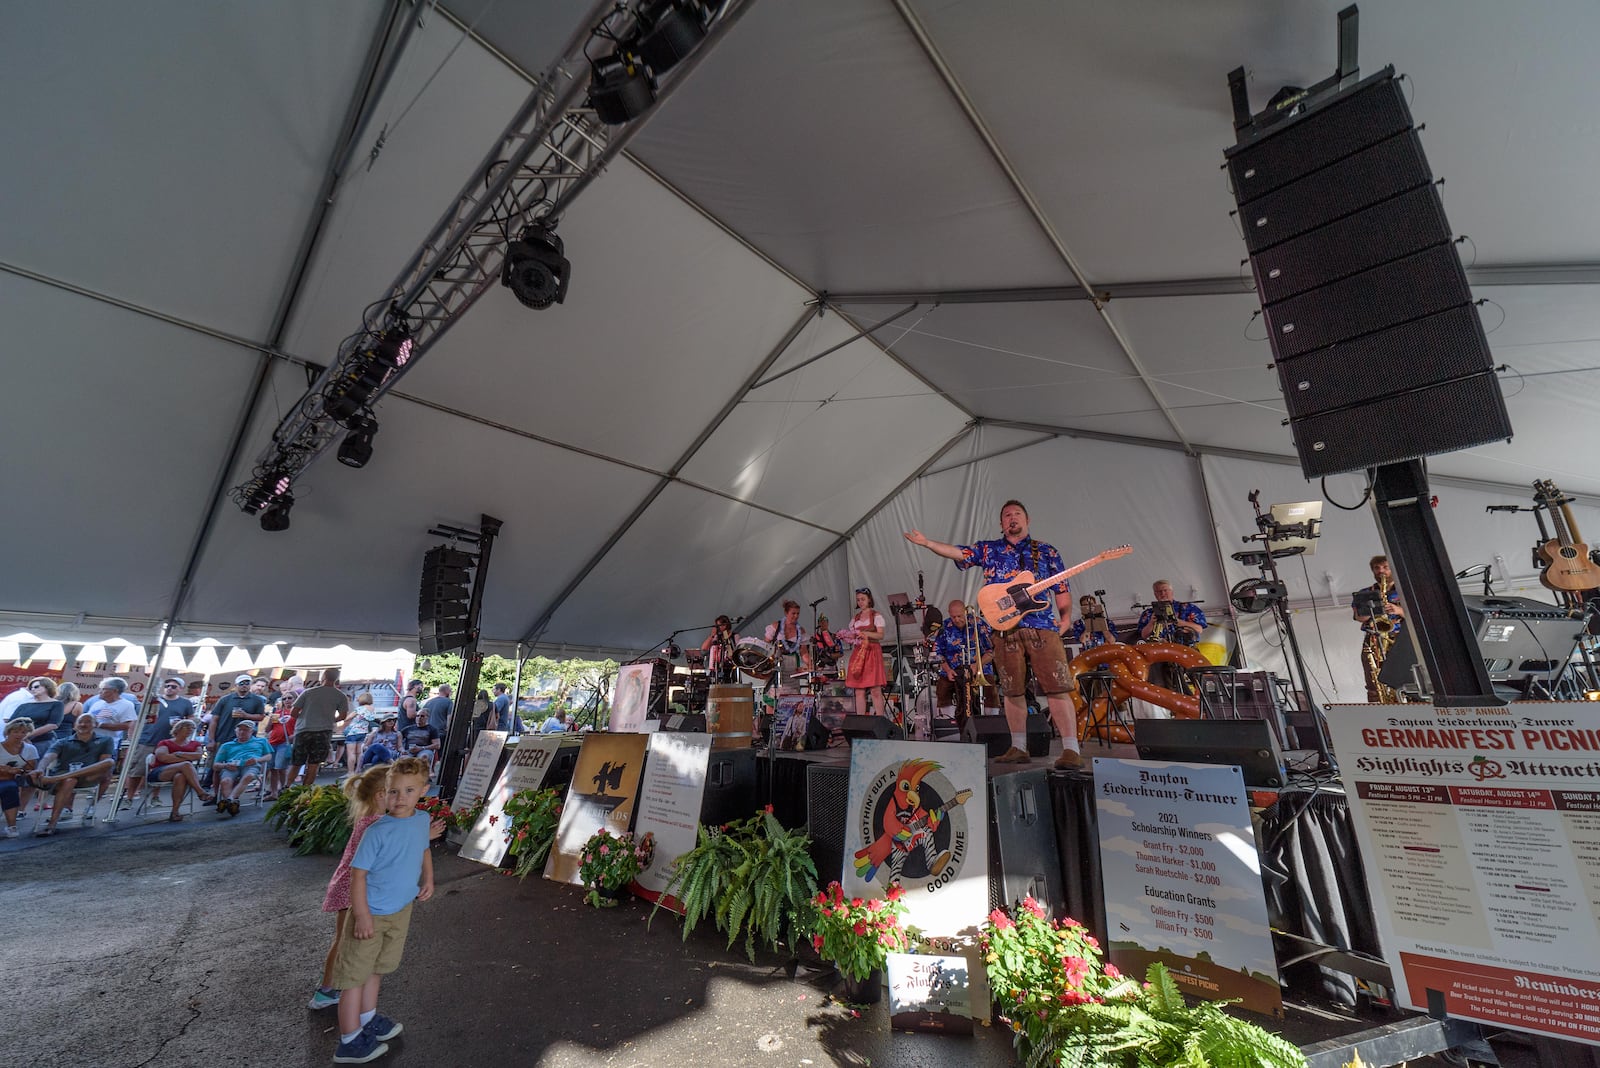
column 11, row 832
column 359, row 1050
column 382, row 1028
column 322, row 999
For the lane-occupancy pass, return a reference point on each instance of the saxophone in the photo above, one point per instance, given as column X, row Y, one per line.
column 1376, row 648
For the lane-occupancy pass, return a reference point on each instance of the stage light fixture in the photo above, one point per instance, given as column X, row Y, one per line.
column 669, row 31
column 392, row 348
column 350, row 393
column 276, row 517
column 272, row 484
column 356, row 449
column 620, row 87
column 535, row 269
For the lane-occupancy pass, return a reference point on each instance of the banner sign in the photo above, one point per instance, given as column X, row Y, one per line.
column 1480, row 832
column 670, row 798
column 526, row 770
column 1182, row 879
column 630, row 701
column 918, row 812
column 605, row 787
column 929, row 993
column 478, row 774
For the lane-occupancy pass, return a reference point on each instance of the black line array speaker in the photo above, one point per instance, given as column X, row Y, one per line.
column 1379, row 350
column 443, row 599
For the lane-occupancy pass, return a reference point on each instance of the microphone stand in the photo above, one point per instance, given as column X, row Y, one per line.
column 1269, row 531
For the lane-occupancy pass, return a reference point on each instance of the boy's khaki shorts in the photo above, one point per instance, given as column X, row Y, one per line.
column 359, row 959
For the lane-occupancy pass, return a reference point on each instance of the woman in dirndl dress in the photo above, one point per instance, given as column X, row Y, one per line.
column 865, row 674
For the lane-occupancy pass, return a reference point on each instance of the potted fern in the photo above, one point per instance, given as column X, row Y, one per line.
column 751, row 877
column 1067, row 1008
column 316, row 817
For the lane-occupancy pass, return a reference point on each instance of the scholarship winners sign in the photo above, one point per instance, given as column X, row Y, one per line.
column 1182, row 879
column 1480, row 832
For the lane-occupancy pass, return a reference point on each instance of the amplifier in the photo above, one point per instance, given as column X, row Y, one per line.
column 1519, row 637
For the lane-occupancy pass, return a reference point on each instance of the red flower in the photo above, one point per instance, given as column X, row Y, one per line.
column 1000, row 921
column 1073, row 997
column 493, row 820
column 1076, row 969
column 860, row 928
column 1091, row 942
column 896, row 891
column 838, row 894
column 856, row 902
column 1112, row 973
column 768, row 809
column 1033, row 906
column 816, row 942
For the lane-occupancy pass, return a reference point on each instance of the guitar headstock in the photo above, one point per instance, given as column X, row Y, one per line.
column 1112, row 554
column 1546, row 493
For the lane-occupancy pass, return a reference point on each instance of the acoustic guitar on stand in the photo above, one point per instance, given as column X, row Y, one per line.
column 1003, row 604
column 1565, row 558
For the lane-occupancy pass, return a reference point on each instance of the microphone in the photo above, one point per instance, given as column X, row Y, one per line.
column 818, row 601
column 739, row 621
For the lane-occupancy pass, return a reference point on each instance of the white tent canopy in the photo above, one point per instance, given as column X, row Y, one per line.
column 955, row 168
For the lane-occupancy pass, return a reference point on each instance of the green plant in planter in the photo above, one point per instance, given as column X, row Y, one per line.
column 609, row 862
column 532, row 817
column 858, row 934
column 1066, row 1008
column 752, row 877
column 316, row 817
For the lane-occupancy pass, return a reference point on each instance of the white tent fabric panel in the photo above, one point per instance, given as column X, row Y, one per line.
column 857, row 406
column 168, row 153
column 1330, row 642
column 1082, row 496
column 1048, row 362
column 353, row 554
column 691, row 556
column 899, row 193
column 629, row 366
column 830, row 579
column 1484, row 74
column 114, row 429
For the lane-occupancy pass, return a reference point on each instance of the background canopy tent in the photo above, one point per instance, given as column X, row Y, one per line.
column 963, row 174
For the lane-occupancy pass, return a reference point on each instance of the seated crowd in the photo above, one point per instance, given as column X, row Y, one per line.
column 257, row 738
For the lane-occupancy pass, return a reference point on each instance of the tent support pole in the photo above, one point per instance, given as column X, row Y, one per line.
column 516, row 684
column 138, row 723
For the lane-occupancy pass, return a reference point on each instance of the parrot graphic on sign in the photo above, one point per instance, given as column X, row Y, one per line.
column 908, row 825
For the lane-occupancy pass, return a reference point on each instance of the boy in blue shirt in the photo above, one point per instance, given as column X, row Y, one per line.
column 389, row 863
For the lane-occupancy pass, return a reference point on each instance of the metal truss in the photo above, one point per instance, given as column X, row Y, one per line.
column 548, row 154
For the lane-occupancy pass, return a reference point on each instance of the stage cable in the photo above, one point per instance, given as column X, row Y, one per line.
column 1322, row 643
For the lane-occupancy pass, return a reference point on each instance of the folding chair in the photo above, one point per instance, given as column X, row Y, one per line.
column 151, row 794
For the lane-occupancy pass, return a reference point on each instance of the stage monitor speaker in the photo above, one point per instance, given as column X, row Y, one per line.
column 994, row 734
column 1248, row 743
column 1025, row 861
column 1522, row 640
column 730, row 792
column 827, row 794
column 689, row 722
column 1379, row 349
column 872, row 727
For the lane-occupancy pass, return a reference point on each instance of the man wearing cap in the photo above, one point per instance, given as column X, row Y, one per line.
column 82, row 760
column 319, row 709
column 237, row 704
column 383, row 744
column 237, row 763
column 170, row 705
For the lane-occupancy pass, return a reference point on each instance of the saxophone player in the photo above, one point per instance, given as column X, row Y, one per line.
column 1380, row 630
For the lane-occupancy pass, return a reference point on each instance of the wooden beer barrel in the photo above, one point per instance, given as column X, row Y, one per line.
column 730, row 713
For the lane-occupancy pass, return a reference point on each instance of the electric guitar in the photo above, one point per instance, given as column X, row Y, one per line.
column 1003, row 604
column 1567, row 564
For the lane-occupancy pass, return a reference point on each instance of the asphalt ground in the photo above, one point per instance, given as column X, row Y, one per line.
column 198, row 943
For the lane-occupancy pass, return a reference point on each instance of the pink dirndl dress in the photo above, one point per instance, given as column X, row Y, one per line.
column 338, row 896
column 866, row 662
